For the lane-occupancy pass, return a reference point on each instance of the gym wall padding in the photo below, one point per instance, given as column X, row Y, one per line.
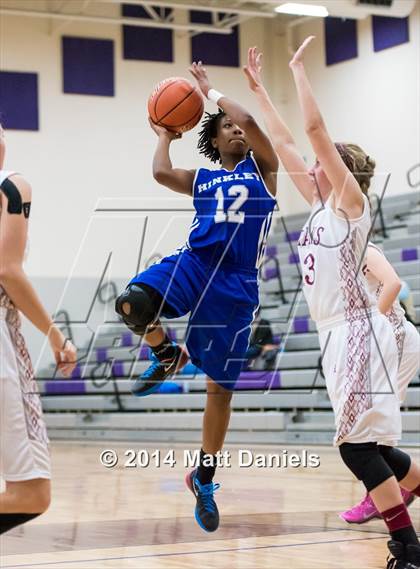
column 143, row 43
column 88, row 66
column 214, row 49
column 389, row 32
column 340, row 40
column 19, row 100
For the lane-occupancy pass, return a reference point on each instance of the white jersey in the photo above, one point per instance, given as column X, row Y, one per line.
column 23, row 435
column 406, row 336
column 331, row 251
column 396, row 314
column 361, row 378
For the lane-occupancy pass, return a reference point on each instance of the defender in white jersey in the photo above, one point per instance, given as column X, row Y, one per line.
column 406, row 335
column 360, row 356
column 361, row 376
column 384, row 284
column 24, row 455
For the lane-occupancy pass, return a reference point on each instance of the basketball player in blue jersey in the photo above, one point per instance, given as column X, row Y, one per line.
column 214, row 276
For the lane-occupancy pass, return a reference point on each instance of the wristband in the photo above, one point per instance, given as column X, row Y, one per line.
column 214, row 96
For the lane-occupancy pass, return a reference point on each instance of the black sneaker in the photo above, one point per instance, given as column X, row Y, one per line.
column 412, row 554
column 397, row 551
column 206, row 512
column 404, row 557
column 151, row 379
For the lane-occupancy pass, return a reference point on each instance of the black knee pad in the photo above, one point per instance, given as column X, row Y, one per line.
column 397, row 460
column 366, row 463
column 145, row 303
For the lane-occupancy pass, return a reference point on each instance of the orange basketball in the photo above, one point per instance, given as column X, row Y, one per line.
column 176, row 105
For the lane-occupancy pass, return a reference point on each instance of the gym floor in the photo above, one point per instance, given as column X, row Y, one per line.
column 125, row 517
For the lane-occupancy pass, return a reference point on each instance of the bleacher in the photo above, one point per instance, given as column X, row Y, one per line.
column 286, row 404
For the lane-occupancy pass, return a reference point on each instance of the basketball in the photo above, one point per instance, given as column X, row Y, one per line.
column 176, row 105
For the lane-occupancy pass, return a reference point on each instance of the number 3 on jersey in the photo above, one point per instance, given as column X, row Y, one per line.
column 232, row 214
column 309, row 263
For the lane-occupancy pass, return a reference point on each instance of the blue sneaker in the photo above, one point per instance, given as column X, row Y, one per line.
column 206, row 512
column 151, row 379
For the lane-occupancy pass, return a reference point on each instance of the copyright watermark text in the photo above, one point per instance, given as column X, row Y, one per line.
column 242, row 458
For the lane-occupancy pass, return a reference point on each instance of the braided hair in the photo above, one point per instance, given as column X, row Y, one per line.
column 207, row 132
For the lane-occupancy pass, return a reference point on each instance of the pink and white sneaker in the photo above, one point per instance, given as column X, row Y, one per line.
column 366, row 509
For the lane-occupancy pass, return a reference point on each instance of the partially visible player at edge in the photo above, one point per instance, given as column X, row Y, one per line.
column 24, row 455
column 331, row 250
column 214, row 276
column 385, row 285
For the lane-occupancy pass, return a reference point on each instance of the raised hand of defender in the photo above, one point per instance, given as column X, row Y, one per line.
column 253, row 69
column 198, row 71
column 298, row 57
column 161, row 131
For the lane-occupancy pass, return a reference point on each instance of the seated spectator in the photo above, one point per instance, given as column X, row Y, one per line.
column 261, row 343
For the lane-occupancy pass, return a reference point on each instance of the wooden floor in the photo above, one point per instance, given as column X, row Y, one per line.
column 143, row 518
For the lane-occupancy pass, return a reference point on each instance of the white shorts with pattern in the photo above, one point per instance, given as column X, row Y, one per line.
column 360, row 364
column 24, row 453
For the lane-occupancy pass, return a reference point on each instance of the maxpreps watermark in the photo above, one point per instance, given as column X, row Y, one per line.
column 241, row 458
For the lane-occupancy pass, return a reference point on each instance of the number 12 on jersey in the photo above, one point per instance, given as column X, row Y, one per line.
column 232, row 214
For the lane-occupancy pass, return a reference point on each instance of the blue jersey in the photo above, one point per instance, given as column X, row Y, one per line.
column 234, row 211
column 215, row 276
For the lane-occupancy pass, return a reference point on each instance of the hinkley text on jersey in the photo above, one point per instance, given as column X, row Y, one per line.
column 228, row 178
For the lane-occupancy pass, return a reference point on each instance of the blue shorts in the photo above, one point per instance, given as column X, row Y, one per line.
column 221, row 301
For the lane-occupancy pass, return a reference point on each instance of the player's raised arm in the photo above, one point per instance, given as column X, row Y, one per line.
column 259, row 142
column 347, row 192
column 384, row 272
column 176, row 179
column 280, row 135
